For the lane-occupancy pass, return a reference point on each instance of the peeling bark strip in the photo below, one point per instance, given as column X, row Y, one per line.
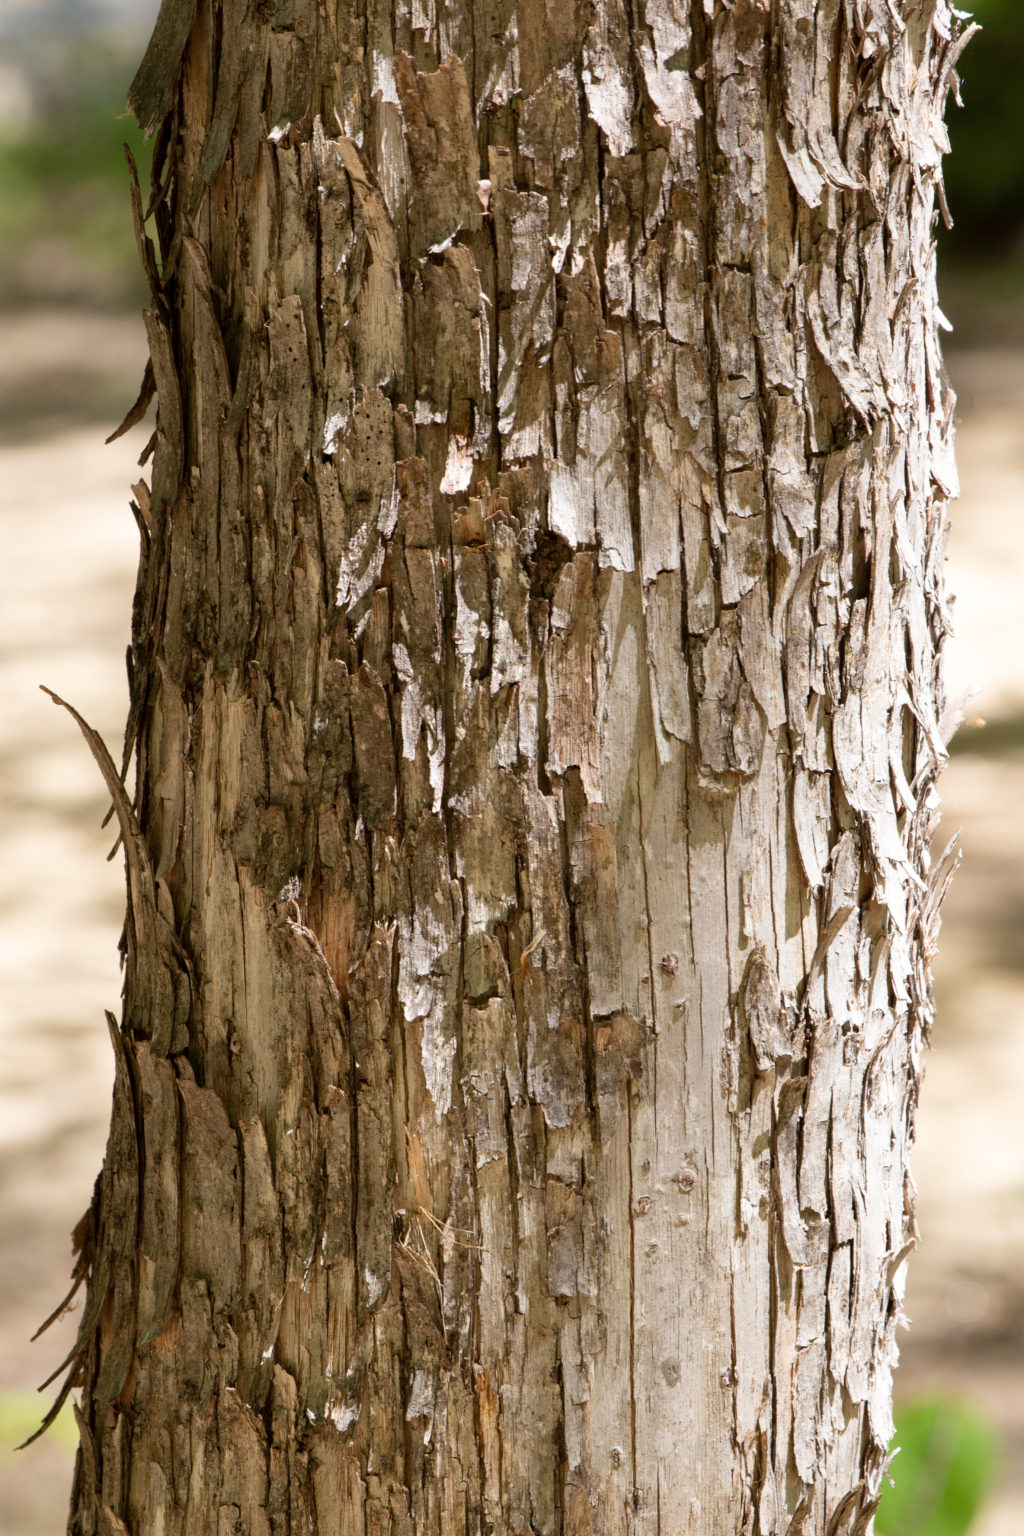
column 536, row 706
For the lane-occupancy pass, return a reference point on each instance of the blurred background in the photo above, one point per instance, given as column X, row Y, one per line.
column 72, row 353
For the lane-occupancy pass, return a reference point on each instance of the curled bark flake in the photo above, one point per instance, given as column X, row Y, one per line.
column 763, row 1012
column 147, row 389
column 378, row 296
column 211, row 1246
column 443, row 152
column 150, row 92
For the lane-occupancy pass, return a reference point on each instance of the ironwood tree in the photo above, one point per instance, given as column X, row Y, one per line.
column 535, row 711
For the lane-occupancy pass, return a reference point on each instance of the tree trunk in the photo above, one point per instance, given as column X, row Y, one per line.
column 536, row 707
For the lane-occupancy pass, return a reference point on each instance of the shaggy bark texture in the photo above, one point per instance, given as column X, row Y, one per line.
column 536, row 709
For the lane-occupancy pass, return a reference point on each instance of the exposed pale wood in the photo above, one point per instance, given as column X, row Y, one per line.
column 535, row 699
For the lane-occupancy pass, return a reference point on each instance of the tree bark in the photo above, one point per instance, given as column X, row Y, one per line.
column 536, row 707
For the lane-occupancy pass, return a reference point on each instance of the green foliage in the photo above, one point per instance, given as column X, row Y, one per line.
column 65, row 218
column 944, row 1470
column 985, row 173
column 21, row 1414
